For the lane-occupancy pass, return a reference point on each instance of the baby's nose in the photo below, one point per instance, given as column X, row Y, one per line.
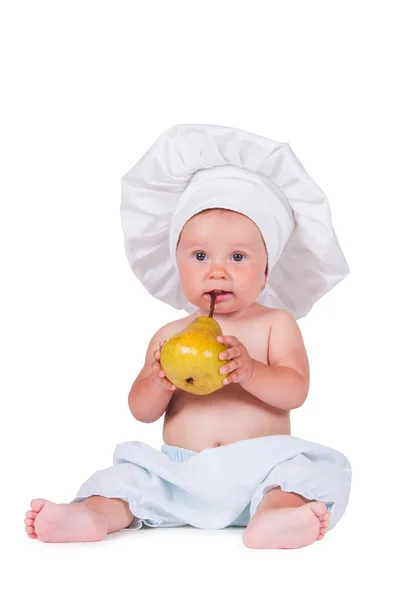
column 218, row 272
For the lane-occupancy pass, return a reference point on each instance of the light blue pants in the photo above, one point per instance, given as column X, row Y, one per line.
column 219, row 487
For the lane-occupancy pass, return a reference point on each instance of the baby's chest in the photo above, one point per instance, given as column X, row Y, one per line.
column 255, row 339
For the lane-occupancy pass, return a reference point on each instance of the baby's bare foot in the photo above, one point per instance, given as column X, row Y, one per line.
column 288, row 527
column 75, row 522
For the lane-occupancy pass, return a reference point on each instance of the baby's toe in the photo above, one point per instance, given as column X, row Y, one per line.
column 324, row 521
column 29, row 522
column 30, row 514
column 322, row 531
column 319, row 509
column 37, row 504
column 324, row 517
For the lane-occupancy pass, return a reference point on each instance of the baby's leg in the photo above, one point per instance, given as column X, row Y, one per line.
column 87, row 521
column 286, row 520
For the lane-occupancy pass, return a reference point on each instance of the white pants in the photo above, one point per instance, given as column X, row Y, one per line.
column 219, row 487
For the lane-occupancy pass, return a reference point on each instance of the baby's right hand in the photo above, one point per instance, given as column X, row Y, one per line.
column 157, row 373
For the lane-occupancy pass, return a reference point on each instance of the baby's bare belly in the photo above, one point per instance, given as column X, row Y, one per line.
column 224, row 417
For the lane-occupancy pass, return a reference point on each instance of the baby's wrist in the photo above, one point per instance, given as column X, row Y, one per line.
column 250, row 372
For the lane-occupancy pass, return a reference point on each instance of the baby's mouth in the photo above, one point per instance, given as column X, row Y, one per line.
column 221, row 295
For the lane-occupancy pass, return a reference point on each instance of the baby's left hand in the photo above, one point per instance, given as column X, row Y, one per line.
column 241, row 367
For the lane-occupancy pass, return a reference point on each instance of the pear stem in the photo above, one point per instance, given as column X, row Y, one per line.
column 213, row 300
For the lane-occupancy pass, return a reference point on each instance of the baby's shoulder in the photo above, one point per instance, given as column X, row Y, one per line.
column 274, row 323
column 271, row 315
column 169, row 329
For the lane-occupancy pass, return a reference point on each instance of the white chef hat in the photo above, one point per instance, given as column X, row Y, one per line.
column 191, row 168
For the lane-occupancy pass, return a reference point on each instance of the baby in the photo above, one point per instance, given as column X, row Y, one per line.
column 228, row 458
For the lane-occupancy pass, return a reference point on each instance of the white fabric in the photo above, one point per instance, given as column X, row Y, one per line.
column 223, row 486
column 193, row 167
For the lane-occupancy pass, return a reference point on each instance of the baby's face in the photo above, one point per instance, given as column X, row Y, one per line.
column 221, row 250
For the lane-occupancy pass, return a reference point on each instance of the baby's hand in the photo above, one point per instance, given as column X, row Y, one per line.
column 157, row 373
column 241, row 366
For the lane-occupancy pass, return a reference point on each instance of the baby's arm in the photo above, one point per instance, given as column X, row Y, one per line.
column 284, row 383
column 151, row 393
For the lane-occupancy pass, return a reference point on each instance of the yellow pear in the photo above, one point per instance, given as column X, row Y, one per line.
column 190, row 357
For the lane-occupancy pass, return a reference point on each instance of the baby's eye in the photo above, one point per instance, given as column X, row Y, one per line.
column 200, row 256
column 238, row 257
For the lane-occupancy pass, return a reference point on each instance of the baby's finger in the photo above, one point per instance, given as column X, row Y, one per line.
column 231, row 366
column 157, row 369
column 165, row 383
column 232, row 377
column 228, row 340
column 230, row 353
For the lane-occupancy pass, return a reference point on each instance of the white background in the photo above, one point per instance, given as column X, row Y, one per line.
column 87, row 87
